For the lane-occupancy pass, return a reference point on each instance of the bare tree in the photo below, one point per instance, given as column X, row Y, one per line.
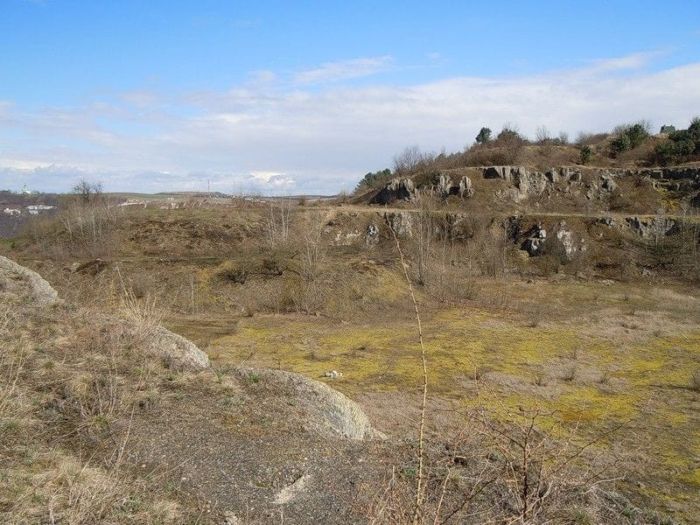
column 278, row 222
column 408, row 160
column 88, row 191
column 542, row 135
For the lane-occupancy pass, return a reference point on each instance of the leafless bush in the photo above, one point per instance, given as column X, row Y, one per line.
column 408, row 160
column 542, row 135
column 88, row 192
column 498, row 471
column 313, row 248
column 277, row 224
column 81, row 228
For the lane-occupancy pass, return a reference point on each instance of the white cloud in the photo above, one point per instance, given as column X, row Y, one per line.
column 286, row 138
column 343, row 70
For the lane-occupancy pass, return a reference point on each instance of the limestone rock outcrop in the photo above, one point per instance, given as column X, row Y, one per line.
column 41, row 291
column 181, row 352
column 327, row 411
column 400, row 189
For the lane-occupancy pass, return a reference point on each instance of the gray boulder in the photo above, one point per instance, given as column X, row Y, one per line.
column 328, row 411
column 181, row 352
column 41, row 291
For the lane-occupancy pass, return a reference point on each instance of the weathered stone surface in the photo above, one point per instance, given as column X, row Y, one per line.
column 535, row 239
column 563, row 242
column 372, row 235
column 401, row 222
column 182, row 352
column 446, row 187
column 566, row 242
column 649, row 228
column 466, row 188
column 497, row 172
column 397, row 189
column 328, row 411
column 42, row 292
column 607, row 182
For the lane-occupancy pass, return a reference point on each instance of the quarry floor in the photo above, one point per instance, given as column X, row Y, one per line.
column 598, row 358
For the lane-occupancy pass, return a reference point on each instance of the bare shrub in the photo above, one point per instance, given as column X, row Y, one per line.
column 88, row 192
column 542, row 135
column 6, row 317
column 277, row 223
column 409, row 160
column 498, row 471
column 81, row 228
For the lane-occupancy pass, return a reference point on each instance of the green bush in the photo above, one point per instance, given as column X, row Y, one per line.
column 371, row 180
column 585, row 154
column 680, row 145
column 629, row 137
column 484, row 136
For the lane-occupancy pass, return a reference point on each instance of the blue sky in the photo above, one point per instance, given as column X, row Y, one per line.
column 292, row 97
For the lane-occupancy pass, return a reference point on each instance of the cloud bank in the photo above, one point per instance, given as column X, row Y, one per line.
column 314, row 131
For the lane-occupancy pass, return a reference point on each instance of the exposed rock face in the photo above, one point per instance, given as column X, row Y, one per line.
column 566, row 241
column 466, row 188
column 596, row 183
column 397, row 189
column 182, row 352
column 652, row 227
column 446, row 187
column 401, row 222
column 42, row 292
column 562, row 243
column 607, row 182
column 525, row 183
column 534, row 243
column 328, row 411
column 372, row 235
column 497, row 172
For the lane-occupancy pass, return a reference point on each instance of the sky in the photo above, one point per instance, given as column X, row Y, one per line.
column 306, row 97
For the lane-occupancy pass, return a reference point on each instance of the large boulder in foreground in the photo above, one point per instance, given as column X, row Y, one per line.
column 41, row 291
column 326, row 410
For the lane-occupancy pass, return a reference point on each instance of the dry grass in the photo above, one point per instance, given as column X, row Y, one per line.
column 695, row 381
column 70, row 381
column 512, row 472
